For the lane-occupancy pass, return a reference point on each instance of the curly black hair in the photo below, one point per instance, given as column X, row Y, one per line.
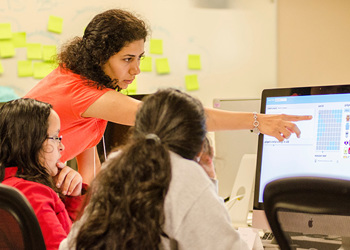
column 106, row 34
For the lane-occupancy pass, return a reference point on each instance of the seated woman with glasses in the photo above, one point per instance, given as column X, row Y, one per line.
column 30, row 149
column 153, row 194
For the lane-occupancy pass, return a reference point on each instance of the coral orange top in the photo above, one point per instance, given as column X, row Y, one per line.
column 70, row 96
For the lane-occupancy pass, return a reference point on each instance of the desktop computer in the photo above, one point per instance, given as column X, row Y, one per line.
column 322, row 150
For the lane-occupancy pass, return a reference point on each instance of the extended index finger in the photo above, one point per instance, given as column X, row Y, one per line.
column 295, row 118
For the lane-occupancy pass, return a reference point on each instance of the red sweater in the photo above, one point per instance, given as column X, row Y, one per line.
column 54, row 216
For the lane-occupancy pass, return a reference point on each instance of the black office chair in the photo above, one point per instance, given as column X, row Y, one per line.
column 309, row 212
column 19, row 227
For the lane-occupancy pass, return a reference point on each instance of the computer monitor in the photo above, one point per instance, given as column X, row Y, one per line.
column 231, row 146
column 115, row 135
column 323, row 148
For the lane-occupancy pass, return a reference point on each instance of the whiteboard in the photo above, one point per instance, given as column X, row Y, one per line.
column 236, row 40
column 230, row 146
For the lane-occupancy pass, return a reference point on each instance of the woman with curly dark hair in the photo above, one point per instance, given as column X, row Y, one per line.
column 82, row 88
column 152, row 194
column 106, row 58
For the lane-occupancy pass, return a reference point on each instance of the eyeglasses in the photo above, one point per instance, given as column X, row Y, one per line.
column 55, row 138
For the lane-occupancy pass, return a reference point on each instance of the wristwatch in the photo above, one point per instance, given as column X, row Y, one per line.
column 255, row 124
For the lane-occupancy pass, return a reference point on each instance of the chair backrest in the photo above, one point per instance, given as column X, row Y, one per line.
column 309, row 212
column 19, row 227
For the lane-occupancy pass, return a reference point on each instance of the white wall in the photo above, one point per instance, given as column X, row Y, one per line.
column 237, row 43
column 313, row 42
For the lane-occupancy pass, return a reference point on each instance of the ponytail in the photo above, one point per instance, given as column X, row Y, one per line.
column 130, row 193
column 126, row 209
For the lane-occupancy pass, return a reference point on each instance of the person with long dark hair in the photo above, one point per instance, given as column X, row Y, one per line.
column 152, row 193
column 30, row 149
column 107, row 57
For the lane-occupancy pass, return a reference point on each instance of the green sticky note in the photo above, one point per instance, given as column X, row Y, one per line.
column 1, row 68
column 162, row 66
column 191, row 82
column 156, row 46
column 34, row 51
column 42, row 69
column 19, row 39
column 194, row 62
column 5, row 31
column 55, row 24
column 49, row 53
column 146, row 64
column 24, row 68
column 7, row 49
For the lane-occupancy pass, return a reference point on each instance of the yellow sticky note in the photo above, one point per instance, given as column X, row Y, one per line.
column 156, row 46
column 24, row 68
column 55, row 24
column 34, row 51
column 19, row 39
column 7, row 49
column 146, row 64
column 49, row 52
column 1, row 68
column 5, row 31
column 191, row 82
column 194, row 62
column 131, row 89
column 162, row 66
column 42, row 69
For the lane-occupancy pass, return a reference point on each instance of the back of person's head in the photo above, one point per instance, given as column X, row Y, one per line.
column 105, row 35
column 23, row 130
column 176, row 118
column 126, row 210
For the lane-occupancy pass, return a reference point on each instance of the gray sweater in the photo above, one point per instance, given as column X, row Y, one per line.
column 195, row 217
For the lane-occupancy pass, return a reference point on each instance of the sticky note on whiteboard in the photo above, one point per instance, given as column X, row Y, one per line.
column 191, row 82
column 42, row 69
column 34, row 51
column 7, row 49
column 162, row 66
column 194, row 62
column 156, row 46
column 1, row 68
column 24, row 68
column 55, row 24
column 146, row 64
column 5, row 31
column 19, row 39
column 49, row 52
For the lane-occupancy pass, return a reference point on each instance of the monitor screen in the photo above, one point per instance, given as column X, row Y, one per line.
column 323, row 148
